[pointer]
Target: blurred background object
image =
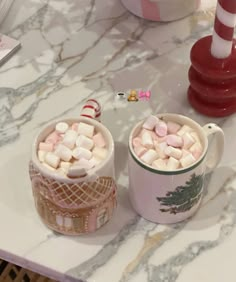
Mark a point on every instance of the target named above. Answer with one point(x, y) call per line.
point(5, 6)
point(161, 10)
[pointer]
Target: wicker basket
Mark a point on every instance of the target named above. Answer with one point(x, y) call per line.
point(13, 273)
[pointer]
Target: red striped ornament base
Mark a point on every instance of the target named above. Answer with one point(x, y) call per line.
point(212, 90)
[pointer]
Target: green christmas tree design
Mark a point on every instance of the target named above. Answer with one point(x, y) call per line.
point(184, 197)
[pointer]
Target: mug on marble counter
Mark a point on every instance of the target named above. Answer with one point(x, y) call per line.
point(79, 205)
point(171, 196)
point(161, 10)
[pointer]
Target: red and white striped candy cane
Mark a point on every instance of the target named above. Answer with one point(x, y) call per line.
point(225, 21)
point(91, 109)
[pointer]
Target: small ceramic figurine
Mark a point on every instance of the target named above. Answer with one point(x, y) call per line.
point(133, 96)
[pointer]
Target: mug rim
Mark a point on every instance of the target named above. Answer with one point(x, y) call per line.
point(54, 174)
point(170, 172)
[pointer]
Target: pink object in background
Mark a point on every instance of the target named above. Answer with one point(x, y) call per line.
point(150, 10)
point(161, 10)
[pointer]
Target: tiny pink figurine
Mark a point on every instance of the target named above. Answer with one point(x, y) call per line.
point(144, 95)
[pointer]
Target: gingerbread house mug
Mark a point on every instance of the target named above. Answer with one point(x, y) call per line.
point(74, 206)
point(172, 196)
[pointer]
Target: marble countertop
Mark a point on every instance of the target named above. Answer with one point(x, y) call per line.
point(72, 50)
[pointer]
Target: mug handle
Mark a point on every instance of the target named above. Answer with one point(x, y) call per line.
point(214, 154)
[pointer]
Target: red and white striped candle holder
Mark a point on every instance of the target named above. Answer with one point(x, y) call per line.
point(212, 75)
point(161, 10)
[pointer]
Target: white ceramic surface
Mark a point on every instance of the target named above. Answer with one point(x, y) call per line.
point(151, 191)
point(72, 50)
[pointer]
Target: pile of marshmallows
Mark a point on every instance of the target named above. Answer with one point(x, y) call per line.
point(72, 150)
point(167, 145)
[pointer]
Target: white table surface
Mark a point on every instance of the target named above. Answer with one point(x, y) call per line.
point(75, 49)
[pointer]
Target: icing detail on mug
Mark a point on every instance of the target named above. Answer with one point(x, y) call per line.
point(183, 198)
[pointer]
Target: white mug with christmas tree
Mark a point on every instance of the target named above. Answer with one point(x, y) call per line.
point(170, 196)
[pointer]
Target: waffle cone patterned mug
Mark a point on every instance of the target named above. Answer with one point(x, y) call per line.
point(161, 10)
point(170, 196)
point(74, 206)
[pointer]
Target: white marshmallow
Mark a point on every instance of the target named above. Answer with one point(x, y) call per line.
point(100, 153)
point(159, 164)
point(140, 150)
point(187, 160)
point(172, 164)
point(174, 140)
point(147, 140)
point(70, 138)
point(195, 136)
point(80, 152)
point(84, 163)
point(173, 127)
point(188, 140)
point(161, 128)
point(52, 159)
point(85, 142)
point(94, 161)
point(49, 167)
point(63, 152)
point(41, 155)
point(150, 122)
point(85, 129)
point(149, 156)
point(62, 171)
point(65, 165)
point(76, 171)
point(173, 152)
point(196, 149)
point(160, 148)
point(184, 129)
point(61, 127)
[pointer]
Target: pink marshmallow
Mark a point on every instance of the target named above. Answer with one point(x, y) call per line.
point(174, 140)
point(161, 128)
point(52, 138)
point(137, 141)
point(139, 151)
point(47, 147)
point(173, 127)
point(99, 140)
point(196, 150)
point(75, 126)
